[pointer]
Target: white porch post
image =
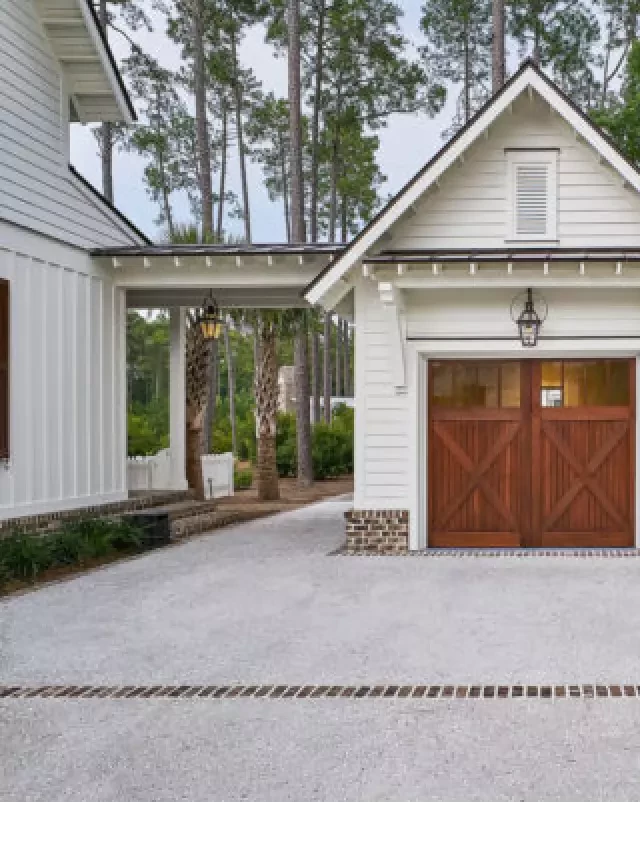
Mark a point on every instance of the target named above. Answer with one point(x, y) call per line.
point(177, 403)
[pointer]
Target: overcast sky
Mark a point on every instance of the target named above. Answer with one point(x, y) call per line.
point(405, 144)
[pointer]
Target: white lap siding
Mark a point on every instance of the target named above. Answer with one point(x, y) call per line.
point(469, 207)
point(67, 375)
point(37, 190)
point(382, 422)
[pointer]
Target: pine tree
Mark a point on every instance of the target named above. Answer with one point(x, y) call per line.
point(458, 50)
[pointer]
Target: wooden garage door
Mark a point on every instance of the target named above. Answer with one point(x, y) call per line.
point(583, 476)
point(531, 453)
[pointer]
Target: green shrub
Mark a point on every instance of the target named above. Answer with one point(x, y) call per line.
point(24, 555)
point(242, 479)
point(331, 445)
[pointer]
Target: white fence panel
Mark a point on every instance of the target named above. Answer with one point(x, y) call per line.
point(217, 474)
point(154, 472)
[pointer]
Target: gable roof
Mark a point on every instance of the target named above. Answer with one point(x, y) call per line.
point(529, 76)
point(78, 42)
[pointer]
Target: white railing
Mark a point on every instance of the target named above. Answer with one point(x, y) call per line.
point(154, 472)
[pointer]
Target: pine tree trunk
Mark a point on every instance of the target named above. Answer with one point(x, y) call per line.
point(315, 120)
point(266, 394)
point(338, 363)
point(316, 384)
point(223, 172)
point(326, 369)
point(231, 382)
point(467, 77)
point(303, 408)
point(300, 344)
point(242, 154)
point(285, 186)
point(346, 359)
point(497, 47)
point(333, 188)
point(202, 130)
point(295, 124)
point(106, 145)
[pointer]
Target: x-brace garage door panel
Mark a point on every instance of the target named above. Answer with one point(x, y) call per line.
point(517, 458)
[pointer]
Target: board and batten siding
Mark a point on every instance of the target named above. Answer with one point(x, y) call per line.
point(67, 379)
point(382, 456)
point(469, 208)
point(37, 189)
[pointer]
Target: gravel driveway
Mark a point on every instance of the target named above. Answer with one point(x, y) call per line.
point(267, 603)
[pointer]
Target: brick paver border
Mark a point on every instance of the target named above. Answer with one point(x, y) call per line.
point(428, 692)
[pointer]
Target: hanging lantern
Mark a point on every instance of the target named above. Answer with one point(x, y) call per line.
point(209, 319)
point(529, 322)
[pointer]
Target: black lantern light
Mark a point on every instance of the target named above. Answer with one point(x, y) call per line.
point(529, 322)
point(209, 320)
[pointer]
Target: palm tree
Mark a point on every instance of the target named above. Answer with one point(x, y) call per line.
point(266, 395)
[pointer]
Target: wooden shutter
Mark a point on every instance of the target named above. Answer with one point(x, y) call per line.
point(4, 369)
point(532, 199)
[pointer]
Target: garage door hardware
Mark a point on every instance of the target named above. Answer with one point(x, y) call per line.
point(312, 691)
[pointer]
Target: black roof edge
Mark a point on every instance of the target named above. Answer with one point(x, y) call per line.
point(575, 253)
point(526, 64)
point(109, 205)
point(172, 249)
point(112, 61)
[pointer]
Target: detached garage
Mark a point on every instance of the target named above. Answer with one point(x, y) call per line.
point(496, 303)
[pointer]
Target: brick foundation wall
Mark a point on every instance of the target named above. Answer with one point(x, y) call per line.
point(377, 531)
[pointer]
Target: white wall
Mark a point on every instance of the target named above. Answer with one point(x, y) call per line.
point(469, 207)
point(67, 378)
point(37, 190)
point(382, 459)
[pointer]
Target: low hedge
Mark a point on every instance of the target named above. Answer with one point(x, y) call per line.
point(25, 556)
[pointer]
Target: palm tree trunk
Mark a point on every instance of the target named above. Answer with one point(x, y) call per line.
point(202, 130)
point(231, 381)
point(326, 367)
point(266, 394)
point(197, 392)
point(212, 399)
point(242, 154)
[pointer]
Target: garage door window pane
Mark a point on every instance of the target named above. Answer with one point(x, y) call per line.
point(510, 385)
point(571, 384)
point(467, 385)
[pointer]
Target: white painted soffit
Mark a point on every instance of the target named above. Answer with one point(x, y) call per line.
point(529, 77)
point(95, 85)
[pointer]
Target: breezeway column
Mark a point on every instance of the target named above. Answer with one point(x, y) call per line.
point(177, 403)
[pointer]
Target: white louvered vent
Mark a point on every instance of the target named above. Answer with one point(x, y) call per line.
point(532, 199)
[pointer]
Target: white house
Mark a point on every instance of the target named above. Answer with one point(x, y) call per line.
point(464, 436)
point(62, 320)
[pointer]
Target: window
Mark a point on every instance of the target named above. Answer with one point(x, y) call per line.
point(532, 177)
point(484, 385)
point(567, 384)
point(4, 369)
